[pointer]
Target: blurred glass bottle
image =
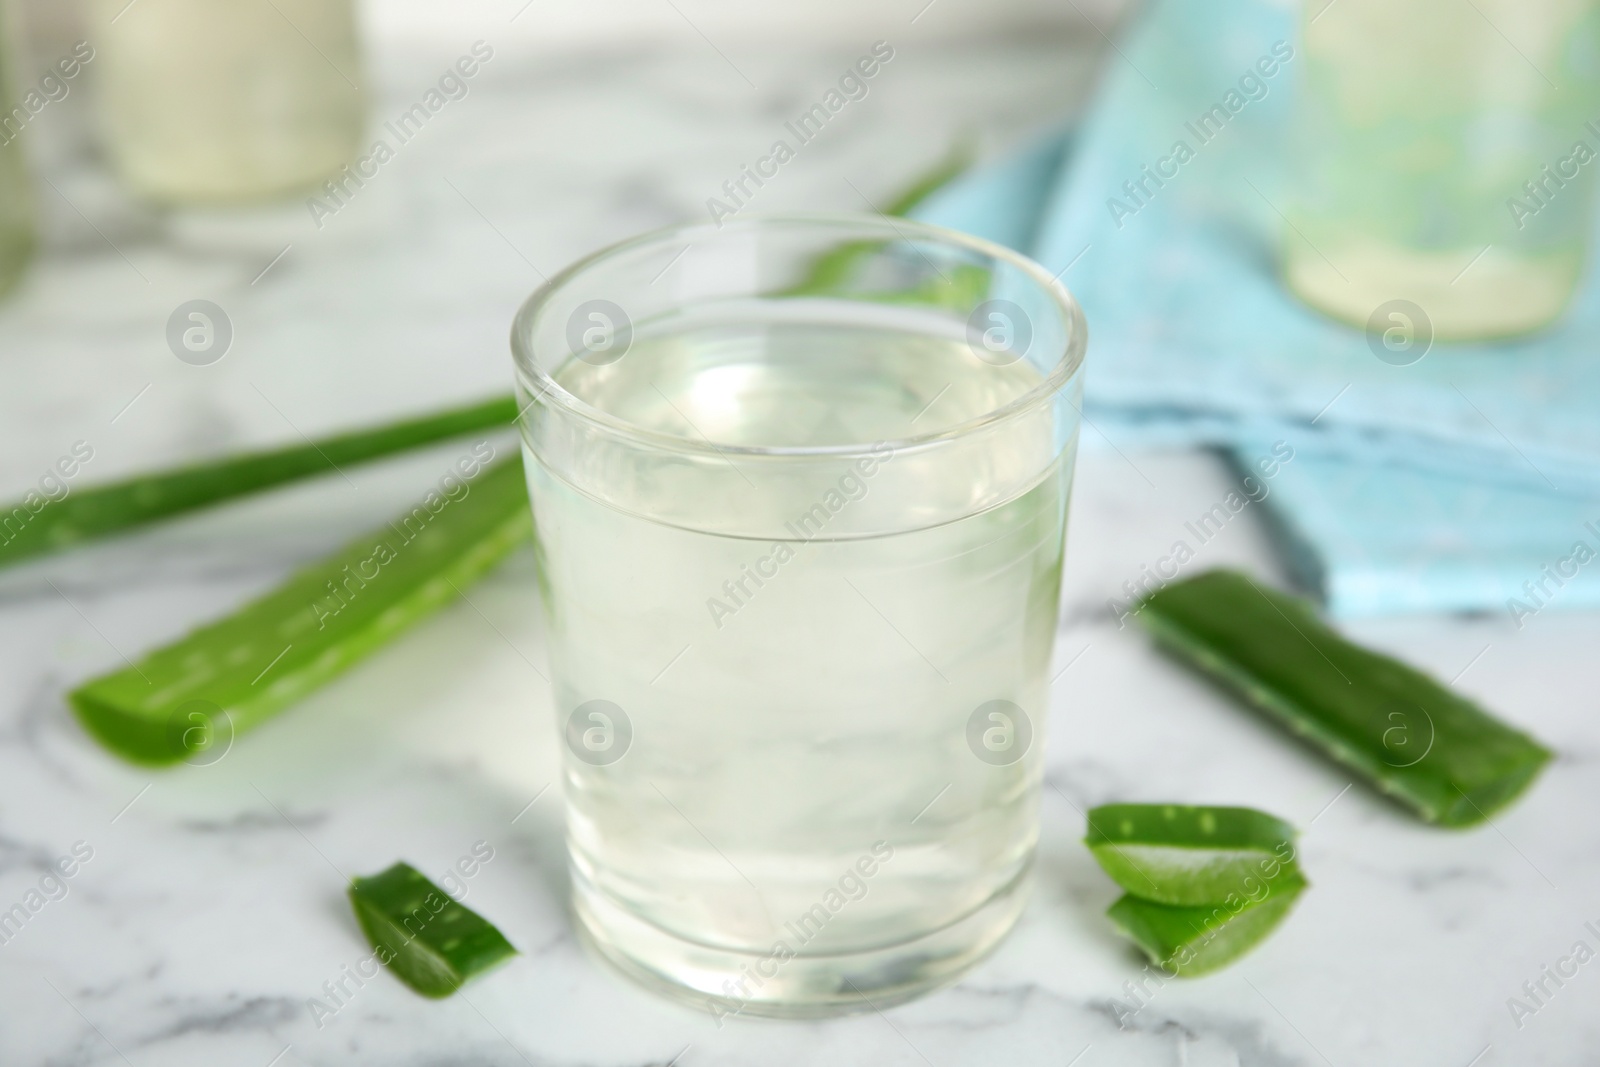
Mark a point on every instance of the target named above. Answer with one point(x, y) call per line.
point(16, 197)
point(229, 100)
point(1446, 156)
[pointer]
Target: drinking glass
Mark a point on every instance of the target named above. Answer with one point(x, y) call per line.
point(228, 100)
point(1447, 155)
point(800, 488)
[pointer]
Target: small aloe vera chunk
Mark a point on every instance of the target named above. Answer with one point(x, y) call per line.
point(1427, 747)
point(1184, 855)
point(233, 674)
point(1192, 941)
point(431, 942)
point(33, 527)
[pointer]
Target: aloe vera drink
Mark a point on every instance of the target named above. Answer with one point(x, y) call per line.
point(228, 100)
point(1445, 159)
point(801, 674)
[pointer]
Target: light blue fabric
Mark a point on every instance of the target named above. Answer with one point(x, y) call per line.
point(1004, 202)
point(1374, 539)
point(1443, 485)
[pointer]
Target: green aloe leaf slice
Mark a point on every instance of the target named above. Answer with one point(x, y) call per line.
point(1416, 740)
point(1187, 855)
point(1192, 941)
point(178, 702)
point(34, 526)
point(432, 943)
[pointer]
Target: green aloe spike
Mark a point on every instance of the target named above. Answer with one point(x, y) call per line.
point(1193, 941)
point(223, 679)
point(432, 943)
point(36, 525)
point(1188, 856)
point(1414, 739)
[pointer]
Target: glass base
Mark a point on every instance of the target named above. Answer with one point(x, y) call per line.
point(728, 983)
point(170, 177)
point(1499, 294)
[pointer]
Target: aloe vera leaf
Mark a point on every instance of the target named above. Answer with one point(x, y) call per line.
point(264, 657)
point(86, 514)
point(1186, 855)
point(832, 269)
point(955, 163)
point(1192, 941)
point(432, 943)
point(1417, 741)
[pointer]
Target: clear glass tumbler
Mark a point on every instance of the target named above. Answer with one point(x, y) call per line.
point(1446, 157)
point(800, 488)
point(228, 100)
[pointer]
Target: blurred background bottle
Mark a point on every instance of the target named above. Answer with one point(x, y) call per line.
point(16, 198)
point(229, 100)
point(1447, 155)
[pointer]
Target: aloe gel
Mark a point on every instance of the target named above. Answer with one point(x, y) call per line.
point(1446, 159)
point(227, 100)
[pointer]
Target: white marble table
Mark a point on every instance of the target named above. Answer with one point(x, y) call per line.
point(211, 908)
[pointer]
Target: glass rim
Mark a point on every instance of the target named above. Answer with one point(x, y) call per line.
point(546, 388)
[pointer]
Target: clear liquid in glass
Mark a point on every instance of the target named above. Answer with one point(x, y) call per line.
point(802, 817)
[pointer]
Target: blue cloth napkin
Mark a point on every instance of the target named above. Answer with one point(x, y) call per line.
point(1468, 481)
point(1375, 539)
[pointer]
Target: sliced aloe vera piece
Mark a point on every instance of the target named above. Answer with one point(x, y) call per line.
point(1186, 855)
point(1435, 751)
point(1192, 941)
point(229, 676)
point(431, 942)
point(33, 526)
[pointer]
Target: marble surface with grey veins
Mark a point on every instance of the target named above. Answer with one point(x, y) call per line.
point(209, 911)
